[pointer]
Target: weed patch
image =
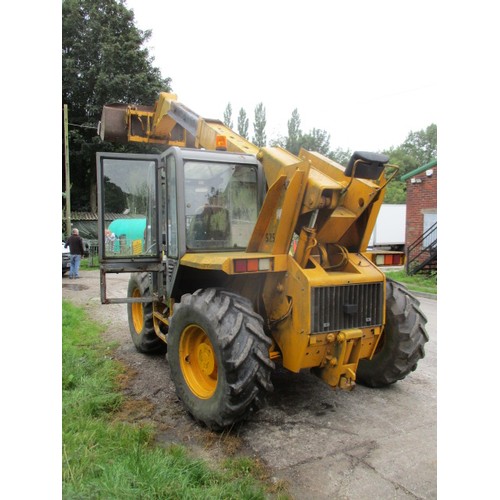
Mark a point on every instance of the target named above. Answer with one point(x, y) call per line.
point(105, 457)
point(418, 283)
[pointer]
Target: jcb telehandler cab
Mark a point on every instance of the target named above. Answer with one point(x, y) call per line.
point(249, 257)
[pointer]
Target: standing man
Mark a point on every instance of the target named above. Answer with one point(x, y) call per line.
point(75, 244)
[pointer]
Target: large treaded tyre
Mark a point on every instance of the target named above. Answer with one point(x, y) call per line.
point(402, 344)
point(140, 317)
point(219, 357)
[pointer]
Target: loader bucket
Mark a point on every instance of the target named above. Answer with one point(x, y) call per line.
point(113, 126)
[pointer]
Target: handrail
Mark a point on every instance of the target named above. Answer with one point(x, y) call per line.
point(417, 243)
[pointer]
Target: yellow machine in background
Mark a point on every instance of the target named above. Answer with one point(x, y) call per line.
point(251, 257)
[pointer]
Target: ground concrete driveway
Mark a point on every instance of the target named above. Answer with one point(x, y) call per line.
point(364, 444)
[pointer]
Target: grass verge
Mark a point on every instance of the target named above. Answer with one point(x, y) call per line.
point(103, 459)
point(85, 264)
point(417, 283)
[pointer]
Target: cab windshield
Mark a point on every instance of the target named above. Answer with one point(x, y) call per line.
point(221, 203)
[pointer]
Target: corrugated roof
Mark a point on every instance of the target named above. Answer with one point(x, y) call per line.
point(419, 170)
point(92, 216)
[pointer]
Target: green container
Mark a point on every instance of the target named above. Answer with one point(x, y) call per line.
point(126, 231)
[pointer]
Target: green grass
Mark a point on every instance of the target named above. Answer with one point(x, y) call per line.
point(417, 283)
point(102, 459)
point(84, 264)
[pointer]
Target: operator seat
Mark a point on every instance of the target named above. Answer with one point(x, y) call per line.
point(210, 228)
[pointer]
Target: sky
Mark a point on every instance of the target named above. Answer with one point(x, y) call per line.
point(363, 71)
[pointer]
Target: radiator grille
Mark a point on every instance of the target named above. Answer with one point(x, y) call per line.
point(347, 306)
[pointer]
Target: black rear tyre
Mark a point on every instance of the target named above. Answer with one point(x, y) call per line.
point(219, 357)
point(402, 344)
point(140, 317)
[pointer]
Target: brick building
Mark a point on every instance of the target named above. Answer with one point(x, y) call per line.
point(421, 214)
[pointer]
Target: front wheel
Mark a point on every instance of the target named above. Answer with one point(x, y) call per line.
point(219, 357)
point(402, 344)
point(140, 317)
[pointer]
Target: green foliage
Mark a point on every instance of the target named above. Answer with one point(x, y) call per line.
point(292, 143)
point(90, 263)
point(418, 283)
point(116, 199)
point(259, 124)
point(418, 149)
point(228, 116)
point(104, 60)
point(278, 141)
point(341, 156)
point(396, 192)
point(422, 145)
point(316, 140)
point(243, 123)
point(105, 458)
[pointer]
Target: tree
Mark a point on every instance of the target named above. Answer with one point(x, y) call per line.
point(418, 149)
point(316, 140)
point(341, 156)
point(294, 133)
point(278, 141)
point(243, 124)
point(228, 116)
point(396, 192)
point(103, 60)
point(422, 145)
point(259, 124)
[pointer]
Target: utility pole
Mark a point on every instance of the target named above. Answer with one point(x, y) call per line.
point(66, 164)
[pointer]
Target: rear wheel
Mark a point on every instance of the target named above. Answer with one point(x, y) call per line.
point(140, 317)
point(219, 357)
point(402, 344)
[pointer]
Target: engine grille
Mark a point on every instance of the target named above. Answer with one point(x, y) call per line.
point(348, 306)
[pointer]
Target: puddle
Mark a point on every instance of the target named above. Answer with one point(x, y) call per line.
point(75, 287)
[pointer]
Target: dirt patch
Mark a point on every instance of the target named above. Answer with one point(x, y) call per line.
point(145, 379)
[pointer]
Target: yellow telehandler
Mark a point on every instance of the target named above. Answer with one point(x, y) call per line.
point(242, 258)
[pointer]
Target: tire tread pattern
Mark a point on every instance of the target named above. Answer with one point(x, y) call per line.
point(245, 374)
point(146, 341)
point(403, 340)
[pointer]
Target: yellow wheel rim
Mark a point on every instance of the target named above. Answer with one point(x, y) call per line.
point(137, 313)
point(198, 362)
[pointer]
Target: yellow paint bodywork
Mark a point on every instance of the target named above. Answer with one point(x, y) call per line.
point(209, 129)
point(347, 207)
point(301, 349)
point(304, 190)
point(198, 362)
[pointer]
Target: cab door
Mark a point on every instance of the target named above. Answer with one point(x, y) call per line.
point(174, 233)
point(130, 213)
